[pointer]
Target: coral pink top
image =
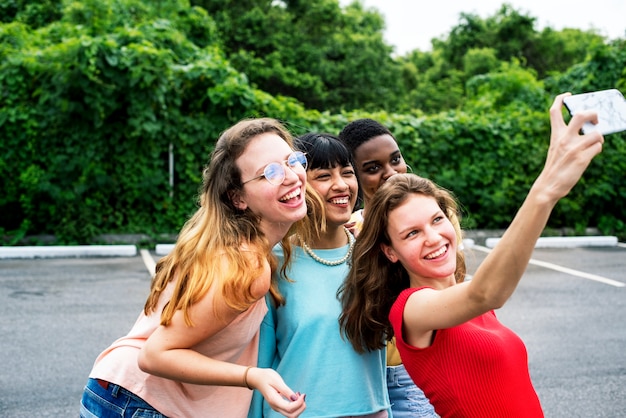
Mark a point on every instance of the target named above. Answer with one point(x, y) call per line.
point(236, 343)
point(476, 369)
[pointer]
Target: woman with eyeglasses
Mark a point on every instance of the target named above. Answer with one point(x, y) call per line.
point(301, 339)
point(193, 350)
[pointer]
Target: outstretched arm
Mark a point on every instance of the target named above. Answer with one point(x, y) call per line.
point(568, 157)
point(495, 280)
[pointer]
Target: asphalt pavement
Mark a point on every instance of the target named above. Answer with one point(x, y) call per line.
point(57, 314)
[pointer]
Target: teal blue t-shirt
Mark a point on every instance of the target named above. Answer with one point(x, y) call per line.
point(302, 342)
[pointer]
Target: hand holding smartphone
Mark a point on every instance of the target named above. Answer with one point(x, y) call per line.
point(610, 106)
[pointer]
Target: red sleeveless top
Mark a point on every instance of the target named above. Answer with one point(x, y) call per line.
point(476, 369)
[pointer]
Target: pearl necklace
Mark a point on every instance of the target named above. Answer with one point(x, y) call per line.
point(320, 260)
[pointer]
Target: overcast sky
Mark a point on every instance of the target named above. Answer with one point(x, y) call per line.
point(412, 24)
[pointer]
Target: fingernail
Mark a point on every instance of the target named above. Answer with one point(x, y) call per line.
point(294, 397)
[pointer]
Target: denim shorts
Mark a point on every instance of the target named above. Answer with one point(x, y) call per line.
point(113, 401)
point(407, 400)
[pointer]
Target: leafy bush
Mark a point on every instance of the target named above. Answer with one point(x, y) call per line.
point(96, 95)
point(89, 113)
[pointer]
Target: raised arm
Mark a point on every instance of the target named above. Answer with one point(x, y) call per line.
point(495, 280)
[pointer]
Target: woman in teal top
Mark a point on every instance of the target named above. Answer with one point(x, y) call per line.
point(301, 339)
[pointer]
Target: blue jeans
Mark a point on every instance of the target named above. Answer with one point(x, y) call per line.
point(407, 400)
point(114, 402)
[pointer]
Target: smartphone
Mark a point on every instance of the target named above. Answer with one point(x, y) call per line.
point(610, 105)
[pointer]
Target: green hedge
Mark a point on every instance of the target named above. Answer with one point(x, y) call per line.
point(87, 120)
point(91, 104)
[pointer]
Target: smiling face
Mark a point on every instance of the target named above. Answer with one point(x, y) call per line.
point(423, 240)
point(376, 160)
point(338, 188)
point(278, 206)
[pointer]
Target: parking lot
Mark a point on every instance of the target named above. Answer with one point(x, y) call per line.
point(57, 314)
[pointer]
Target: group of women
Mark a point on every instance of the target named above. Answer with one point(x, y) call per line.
point(279, 299)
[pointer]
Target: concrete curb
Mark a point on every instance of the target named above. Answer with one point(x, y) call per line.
point(163, 249)
point(76, 251)
point(68, 251)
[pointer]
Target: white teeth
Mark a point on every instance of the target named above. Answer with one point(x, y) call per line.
point(436, 254)
point(340, 201)
point(291, 195)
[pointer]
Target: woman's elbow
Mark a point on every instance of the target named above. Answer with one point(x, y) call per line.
point(486, 300)
point(497, 302)
point(145, 361)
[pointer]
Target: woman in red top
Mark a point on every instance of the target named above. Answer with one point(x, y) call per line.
point(407, 280)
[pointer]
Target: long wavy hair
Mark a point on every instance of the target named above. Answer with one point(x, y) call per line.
point(323, 150)
point(374, 282)
point(208, 250)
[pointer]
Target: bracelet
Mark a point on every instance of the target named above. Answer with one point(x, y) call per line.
point(245, 377)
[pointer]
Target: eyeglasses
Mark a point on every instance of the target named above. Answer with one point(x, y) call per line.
point(274, 173)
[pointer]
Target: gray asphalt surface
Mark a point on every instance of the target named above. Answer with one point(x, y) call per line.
point(57, 315)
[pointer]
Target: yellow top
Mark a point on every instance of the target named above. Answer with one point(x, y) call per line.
point(357, 218)
point(393, 356)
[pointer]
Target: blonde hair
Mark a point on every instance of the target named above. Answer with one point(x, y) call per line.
point(208, 251)
point(313, 225)
point(374, 282)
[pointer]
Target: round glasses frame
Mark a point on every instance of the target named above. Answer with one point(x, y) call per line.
point(274, 172)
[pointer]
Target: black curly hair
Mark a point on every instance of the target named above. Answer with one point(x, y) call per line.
point(357, 132)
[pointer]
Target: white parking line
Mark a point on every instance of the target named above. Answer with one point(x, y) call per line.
point(148, 261)
point(566, 270)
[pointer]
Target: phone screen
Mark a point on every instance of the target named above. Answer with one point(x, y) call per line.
point(610, 105)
